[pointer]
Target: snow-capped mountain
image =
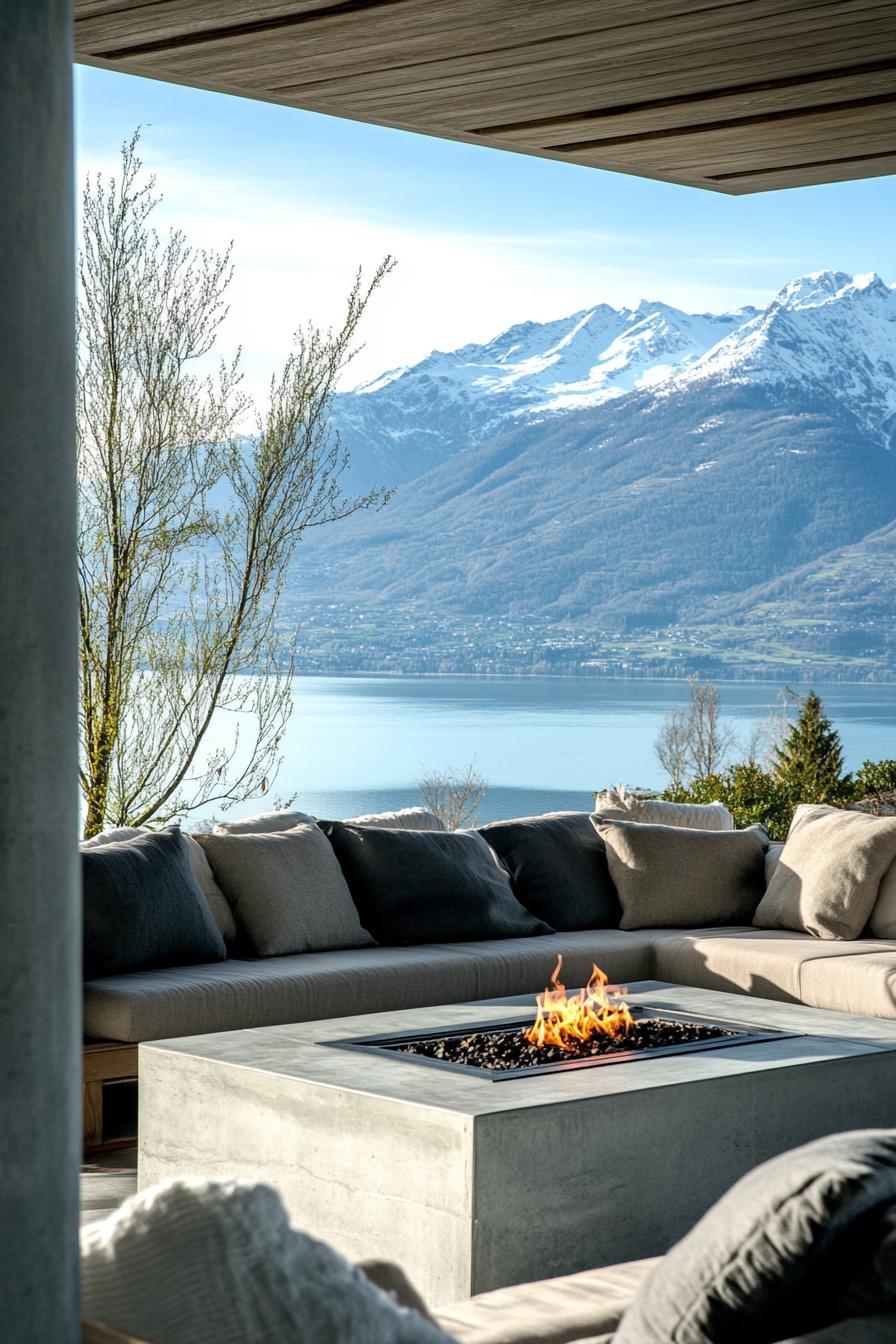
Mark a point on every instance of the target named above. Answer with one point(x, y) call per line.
point(410, 419)
point(827, 331)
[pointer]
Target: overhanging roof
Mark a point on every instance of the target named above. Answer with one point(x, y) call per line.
point(734, 95)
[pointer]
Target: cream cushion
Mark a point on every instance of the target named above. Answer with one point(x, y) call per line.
point(217, 901)
point(780, 964)
point(829, 873)
point(621, 805)
point(405, 819)
point(263, 824)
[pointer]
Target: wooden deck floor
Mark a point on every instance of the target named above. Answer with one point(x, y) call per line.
point(107, 1181)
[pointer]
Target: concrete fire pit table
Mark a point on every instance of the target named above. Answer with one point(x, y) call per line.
point(471, 1184)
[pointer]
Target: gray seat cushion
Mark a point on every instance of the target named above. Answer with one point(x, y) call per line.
point(234, 994)
point(775, 964)
point(555, 1311)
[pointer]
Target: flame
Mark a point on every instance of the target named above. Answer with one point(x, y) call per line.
point(567, 1021)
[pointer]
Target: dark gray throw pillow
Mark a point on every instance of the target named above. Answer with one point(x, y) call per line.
point(428, 886)
point(143, 907)
point(787, 1250)
point(673, 877)
point(557, 865)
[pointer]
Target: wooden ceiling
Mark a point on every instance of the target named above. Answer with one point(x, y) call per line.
point(734, 95)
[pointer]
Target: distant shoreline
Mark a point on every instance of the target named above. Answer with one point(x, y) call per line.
point(825, 680)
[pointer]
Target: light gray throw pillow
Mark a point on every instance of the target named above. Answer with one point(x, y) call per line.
point(676, 877)
point(882, 923)
point(287, 890)
point(829, 874)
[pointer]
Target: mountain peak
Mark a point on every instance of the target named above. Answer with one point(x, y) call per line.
point(818, 287)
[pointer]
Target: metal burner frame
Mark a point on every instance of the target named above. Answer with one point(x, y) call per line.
point(387, 1044)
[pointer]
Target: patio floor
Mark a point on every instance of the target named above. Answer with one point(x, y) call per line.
point(106, 1181)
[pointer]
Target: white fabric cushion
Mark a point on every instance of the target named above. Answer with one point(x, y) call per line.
point(217, 901)
point(405, 819)
point(620, 805)
point(112, 837)
point(216, 1262)
point(264, 823)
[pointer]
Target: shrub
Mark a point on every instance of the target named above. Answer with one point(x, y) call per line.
point(875, 777)
point(750, 793)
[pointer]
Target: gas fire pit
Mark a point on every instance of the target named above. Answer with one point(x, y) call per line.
point(570, 1031)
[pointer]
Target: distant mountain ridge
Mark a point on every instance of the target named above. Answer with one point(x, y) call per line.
point(826, 329)
point(618, 490)
point(411, 419)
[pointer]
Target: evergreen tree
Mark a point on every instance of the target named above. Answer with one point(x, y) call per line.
point(809, 761)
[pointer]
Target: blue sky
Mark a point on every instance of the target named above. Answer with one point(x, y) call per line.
point(483, 238)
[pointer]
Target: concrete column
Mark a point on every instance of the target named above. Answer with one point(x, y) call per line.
point(39, 903)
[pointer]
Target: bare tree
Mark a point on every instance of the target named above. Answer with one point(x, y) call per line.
point(453, 795)
point(693, 742)
point(186, 529)
point(673, 747)
point(711, 739)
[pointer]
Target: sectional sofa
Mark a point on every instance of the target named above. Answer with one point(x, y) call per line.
point(256, 977)
point(247, 990)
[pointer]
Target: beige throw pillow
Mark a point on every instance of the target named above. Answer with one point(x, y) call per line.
point(678, 877)
point(829, 874)
point(620, 805)
point(287, 890)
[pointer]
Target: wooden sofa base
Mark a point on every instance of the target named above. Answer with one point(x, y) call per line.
point(103, 1062)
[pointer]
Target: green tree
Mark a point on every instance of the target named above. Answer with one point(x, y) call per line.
point(187, 529)
point(809, 761)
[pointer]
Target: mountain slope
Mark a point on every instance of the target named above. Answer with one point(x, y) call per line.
point(409, 420)
point(645, 505)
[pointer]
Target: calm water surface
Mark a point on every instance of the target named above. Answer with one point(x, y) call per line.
point(357, 744)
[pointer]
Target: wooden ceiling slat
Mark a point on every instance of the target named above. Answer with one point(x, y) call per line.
point(707, 69)
point(735, 95)
point(683, 144)
point(590, 63)
point(780, 97)
point(803, 175)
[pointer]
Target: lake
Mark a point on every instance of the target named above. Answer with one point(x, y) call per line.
point(358, 744)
